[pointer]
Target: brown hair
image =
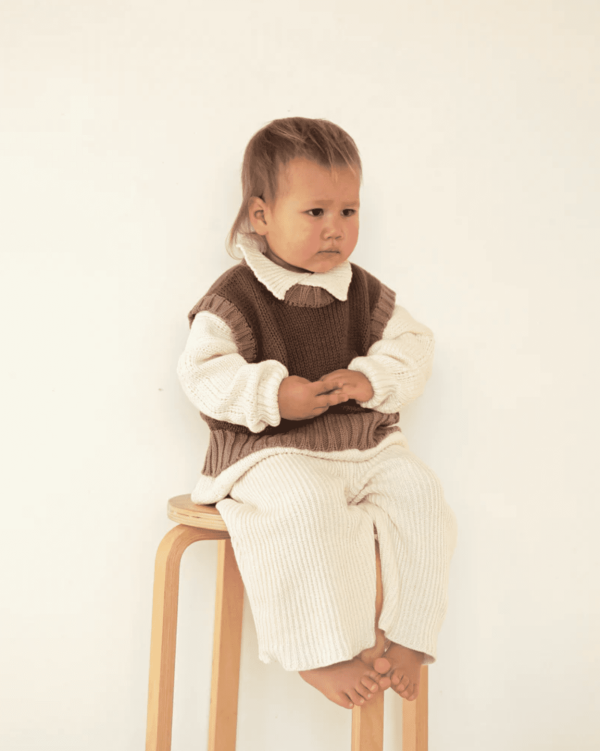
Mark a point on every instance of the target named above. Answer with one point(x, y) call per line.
point(272, 147)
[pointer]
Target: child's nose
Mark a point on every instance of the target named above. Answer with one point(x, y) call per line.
point(333, 229)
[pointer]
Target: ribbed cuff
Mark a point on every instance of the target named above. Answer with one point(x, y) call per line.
point(382, 381)
point(267, 403)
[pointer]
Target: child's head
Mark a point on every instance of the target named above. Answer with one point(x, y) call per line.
point(300, 181)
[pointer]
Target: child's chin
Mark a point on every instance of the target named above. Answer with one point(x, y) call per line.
point(332, 259)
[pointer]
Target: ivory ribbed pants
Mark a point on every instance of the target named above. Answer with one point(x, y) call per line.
point(303, 532)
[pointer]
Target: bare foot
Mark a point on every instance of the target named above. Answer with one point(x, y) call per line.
point(381, 643)
point(345, 683)
point(403, 667)
point(372, 653)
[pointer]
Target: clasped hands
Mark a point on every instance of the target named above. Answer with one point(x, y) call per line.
point(301, 399)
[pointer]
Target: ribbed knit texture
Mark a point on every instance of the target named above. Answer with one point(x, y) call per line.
point(302, 529)
point(331, 431)
point(311, 333)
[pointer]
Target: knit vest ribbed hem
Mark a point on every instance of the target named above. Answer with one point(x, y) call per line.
point(331, 433)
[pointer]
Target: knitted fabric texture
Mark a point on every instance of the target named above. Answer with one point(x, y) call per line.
point(302, 532)
point(311, 333)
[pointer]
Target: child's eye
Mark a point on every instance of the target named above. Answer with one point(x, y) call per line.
point(319, 212)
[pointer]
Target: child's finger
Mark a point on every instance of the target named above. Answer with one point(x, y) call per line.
point(334, 374)
point(320, 388)
point(329, 400)
point(330, 384)
point(331, 391)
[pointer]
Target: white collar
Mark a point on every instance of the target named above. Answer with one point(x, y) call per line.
point(279, 280)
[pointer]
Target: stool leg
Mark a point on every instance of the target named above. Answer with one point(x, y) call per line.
point(414, 717)
point(164, 632)
point(367, 721)
point(226, 652)
point(367, 725)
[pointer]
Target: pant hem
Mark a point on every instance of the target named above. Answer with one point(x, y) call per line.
point(324, 662)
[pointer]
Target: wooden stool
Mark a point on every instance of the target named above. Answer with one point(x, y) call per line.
point(205, 523)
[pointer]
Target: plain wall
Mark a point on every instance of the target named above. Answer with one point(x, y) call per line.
point(123, 128)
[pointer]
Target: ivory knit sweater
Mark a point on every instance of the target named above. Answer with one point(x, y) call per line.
point(223, 375)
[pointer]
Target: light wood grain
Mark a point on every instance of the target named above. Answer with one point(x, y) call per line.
point(164, 632)
point(415, 717)
point(182, 510)
point(367, 721)
point(367, 725)
point(227, 646)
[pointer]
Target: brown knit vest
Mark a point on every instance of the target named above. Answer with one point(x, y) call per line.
point(312, 333)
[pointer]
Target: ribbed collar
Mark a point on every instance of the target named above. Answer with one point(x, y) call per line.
point(279, 280)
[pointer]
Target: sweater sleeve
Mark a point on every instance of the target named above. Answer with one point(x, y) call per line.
point(221, 383)
point(397, 365)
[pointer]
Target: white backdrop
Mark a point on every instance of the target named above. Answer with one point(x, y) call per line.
point(123, 127)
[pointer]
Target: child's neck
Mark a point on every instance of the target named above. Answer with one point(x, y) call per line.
point(284, 264)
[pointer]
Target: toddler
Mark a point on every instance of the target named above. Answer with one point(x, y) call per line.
point(300, 363)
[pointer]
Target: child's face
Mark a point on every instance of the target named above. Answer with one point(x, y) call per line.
point(313, 223)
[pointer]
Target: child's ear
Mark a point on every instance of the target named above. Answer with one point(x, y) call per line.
point(257, 214)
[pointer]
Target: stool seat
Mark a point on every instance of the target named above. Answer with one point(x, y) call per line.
point(183, 510)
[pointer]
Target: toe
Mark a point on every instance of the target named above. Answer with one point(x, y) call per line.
point(384, 682)
point(381, 681)
point(369, 683)
point(342, 699)
point(345, 701)
point(382, 665)
point(363, 691)
point(407, 692)
point(414, 694)
point(355, 698)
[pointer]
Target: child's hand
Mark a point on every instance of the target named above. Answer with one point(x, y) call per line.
point(353, 385)
point(299, 399)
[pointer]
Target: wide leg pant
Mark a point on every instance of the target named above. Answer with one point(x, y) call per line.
point(302, 529)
